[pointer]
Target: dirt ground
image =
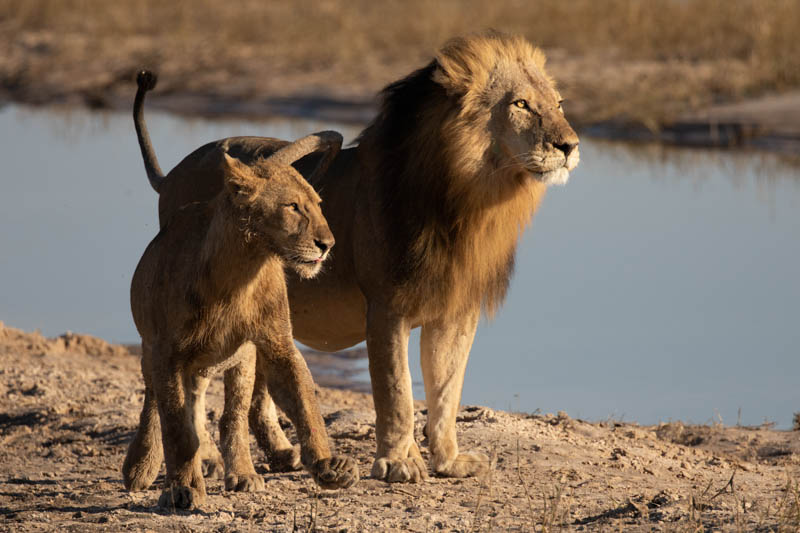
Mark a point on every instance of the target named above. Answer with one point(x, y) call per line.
point(69, 407)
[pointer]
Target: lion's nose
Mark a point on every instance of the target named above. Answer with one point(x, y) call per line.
point(567, 147)
point(324, 244)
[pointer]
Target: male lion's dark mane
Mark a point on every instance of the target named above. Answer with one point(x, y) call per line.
point(409, 197)
point(452, 246)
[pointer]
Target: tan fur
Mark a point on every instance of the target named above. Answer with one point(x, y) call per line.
point(211, 280)
point(427, 210)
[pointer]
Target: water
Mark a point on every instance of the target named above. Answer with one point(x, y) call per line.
point(659, 284)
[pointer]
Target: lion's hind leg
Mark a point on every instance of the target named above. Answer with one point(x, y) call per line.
point(240, 475)
point(184, 486)
point(282, 456)
point(210, 457)
point(145, 454)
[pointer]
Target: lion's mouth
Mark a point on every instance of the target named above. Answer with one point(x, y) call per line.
point(542, 164)
point(313, 260)
point(308, 267)
point(553, 171)
point(552, 174)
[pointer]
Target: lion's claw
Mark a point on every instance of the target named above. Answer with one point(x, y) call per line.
point(408, 470)
point(286, 460)
point(213, 469)
point(466, 464)
point(337, 472)
point(180, 497)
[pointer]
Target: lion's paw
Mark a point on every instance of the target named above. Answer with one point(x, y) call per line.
point(408, 470)
point(140, 475)
point(244, 482)
point(466, 464)
point(286, 460)
point(181, 497)
point(213, 469)
point(337, 472)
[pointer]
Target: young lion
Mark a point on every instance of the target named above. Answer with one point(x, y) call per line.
point(212, 279)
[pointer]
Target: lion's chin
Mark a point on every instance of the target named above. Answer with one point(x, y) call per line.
point(307, 269)
point(559, 176)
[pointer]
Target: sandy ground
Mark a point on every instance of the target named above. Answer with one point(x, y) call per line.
point(69, 406)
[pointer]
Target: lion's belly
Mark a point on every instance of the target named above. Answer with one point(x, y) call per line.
point(327, 318)
point(214, 362)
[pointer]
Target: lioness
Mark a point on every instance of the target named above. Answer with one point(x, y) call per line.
point(427, 210)
point(212, 279)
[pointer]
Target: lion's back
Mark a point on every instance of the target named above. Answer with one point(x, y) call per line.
point(162, 274)
point(199, 178)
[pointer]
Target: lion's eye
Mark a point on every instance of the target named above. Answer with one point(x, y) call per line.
point(294, 206)
point(522, 104)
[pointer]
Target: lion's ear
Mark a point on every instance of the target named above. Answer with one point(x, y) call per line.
point(457, 63)
point(239, 178)
point(451, 76)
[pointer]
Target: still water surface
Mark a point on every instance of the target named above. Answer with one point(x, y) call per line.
point(659, 284)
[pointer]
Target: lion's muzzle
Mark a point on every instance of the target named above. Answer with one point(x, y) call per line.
point(555, 169)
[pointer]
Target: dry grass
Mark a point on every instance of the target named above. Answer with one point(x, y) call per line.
point(761, 32)
point(745, 46)
point(788, 509)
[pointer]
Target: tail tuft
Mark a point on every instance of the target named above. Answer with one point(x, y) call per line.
point(146, 80)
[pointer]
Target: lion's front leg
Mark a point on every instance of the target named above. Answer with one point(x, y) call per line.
point(290, 384)
point(444, 350)
point(398, 458)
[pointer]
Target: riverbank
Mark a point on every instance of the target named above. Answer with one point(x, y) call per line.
point(69, 406)
point(696, 72)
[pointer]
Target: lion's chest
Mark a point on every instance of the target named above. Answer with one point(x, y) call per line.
point(218, 327)
point(468, 269)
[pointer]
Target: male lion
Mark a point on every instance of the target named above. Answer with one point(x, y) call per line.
point(194, 312)
point(427, 210)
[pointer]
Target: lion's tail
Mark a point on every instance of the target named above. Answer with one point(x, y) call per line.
point(147, 82)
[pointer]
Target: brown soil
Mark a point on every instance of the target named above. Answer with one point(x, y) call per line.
point(69, 406)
